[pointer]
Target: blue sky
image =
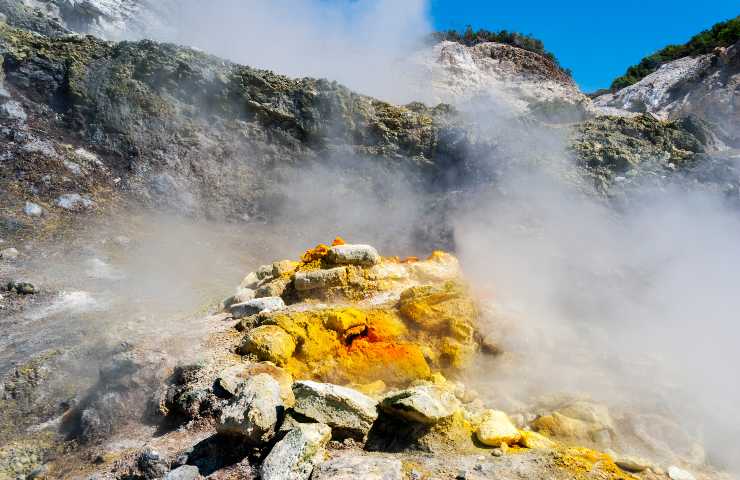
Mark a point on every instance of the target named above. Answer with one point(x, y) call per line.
point(597, 39)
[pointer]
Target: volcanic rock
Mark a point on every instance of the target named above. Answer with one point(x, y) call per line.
point(347, 411)
point(256, 305)
point(363, 255)
point(352, 466)
point(254, 413)
point(294, 457)
point(427, 404)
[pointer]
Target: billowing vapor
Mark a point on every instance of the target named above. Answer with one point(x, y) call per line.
point(359, 44)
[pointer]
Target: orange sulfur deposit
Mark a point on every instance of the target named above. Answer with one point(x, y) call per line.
point(353, 345)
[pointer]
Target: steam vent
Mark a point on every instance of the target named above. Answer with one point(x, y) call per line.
point(341, 365)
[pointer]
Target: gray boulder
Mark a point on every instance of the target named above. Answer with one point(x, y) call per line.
point(352, 466)
point(348, 412)
point(675, 473)
point(256, 305)
point(294, 457)
point(363, 255)
point(254, 413)
point(274, 288)
point(425, 404)
point(319, 279)
point(186, 472)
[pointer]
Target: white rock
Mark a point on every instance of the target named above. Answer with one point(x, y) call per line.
point(347, 411)
point(294, 457)
point(33, 209)
point(257, 305)
point(364, 255)
point(676, 473)
point(242, 295)
point(74, 168)
point(74, 202)
point(9, 254)
point(40, 146)
point(250, 281)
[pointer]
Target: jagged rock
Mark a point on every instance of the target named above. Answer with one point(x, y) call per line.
point(496, 428)
point(9, 254)
point(74, 202)
point(33, 209)
point(255, 412)
point(255, 306)
point(268, 342)
point(355, 466)
point(242, 295)
point(347, 411)
point(320, 279)
point(185, 472)
point(363, 255)
point(427, 404)
point(676, 473)
point(294, 457)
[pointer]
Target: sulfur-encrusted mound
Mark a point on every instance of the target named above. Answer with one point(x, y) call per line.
point(381, 319)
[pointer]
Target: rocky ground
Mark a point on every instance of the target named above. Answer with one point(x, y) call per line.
point(343, 363)
point(338, 365)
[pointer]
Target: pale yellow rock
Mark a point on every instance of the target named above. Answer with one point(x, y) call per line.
point(535, 441)
point(269, 342)
point(496, 428)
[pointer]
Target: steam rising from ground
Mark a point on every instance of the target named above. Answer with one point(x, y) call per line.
point(360, 44)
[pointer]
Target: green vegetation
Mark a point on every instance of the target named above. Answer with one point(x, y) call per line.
point(720, 35)
point(471, 38)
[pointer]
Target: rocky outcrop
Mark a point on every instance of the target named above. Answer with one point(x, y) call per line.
point(706, 86)
point(518, 82)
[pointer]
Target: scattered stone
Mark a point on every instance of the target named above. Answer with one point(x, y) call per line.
point(426, 404)
point(496, 428)
point(363, 255)
point(42, 147)
point(353, 466)
point(185, 472)
point(294, 457)
point(74, 202)
point(74, 168)
point(264, 272)
point(151, 464)
point(676, 473)
point(255, 306)
point(9, 254)
point(269, 342)
point(347, 411)
point(255, 411)
point(33, 209)
point(320, 279)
